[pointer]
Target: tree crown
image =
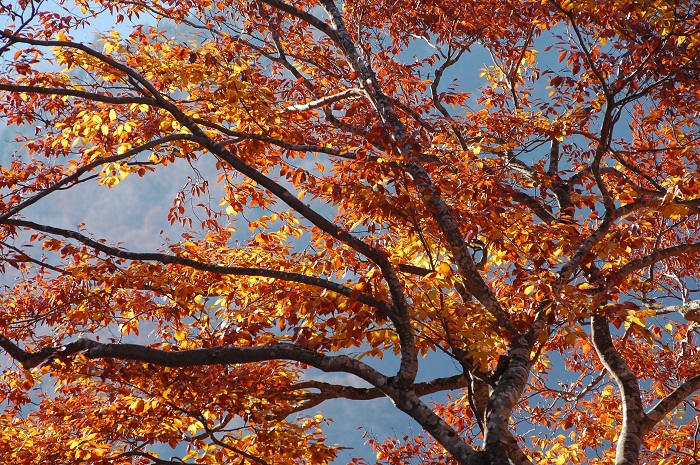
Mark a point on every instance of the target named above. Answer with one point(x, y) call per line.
point(345, 202)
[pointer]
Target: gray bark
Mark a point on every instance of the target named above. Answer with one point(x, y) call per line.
point(631, 432)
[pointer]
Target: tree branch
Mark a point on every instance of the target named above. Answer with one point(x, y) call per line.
point(532, 203)
point(133, 74)
point(587, 54)
point(224, 355)
point(305, 17)
point(507, 393)
point(349, 93)
point(89, 167)
point(690, 311)
point(399, 318)
point(669, 403)
point(285, 196)
point(515, 453)
point(271, 140)
point(410, 151)
point(119, 100)
point(405, 400)
point(212, 268)
point(631, 433)
point(333, 391)
point(575, 261)
point(657, 256)
point(151, 457)
point(438, 104)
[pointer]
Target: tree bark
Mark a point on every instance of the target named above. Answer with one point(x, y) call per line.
point(632, 432)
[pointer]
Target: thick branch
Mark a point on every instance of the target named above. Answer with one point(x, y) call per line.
point(520, 166)
point(327, 100)
point(669, 403)
point(405, 400)
point(409, 403)
point(689, 311)
point(197, 357)
point(412, 269)
point(632, 432)
point(333, 391)
point(562, 190)
point(554, 155)
point(657, 256)
point(304, 16)
point(438, 104)
point(497, 438)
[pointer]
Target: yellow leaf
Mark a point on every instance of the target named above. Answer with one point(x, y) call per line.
point(607, 391)
point(444, 269)
point(112, 115)
point(180, 335)
point(192, 429)
point(674, 212)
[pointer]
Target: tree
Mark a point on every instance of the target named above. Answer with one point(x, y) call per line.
point(538, 225)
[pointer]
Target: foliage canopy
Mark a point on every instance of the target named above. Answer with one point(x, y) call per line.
point(538, 224)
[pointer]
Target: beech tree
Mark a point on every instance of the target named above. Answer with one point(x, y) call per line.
point(373, 195)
